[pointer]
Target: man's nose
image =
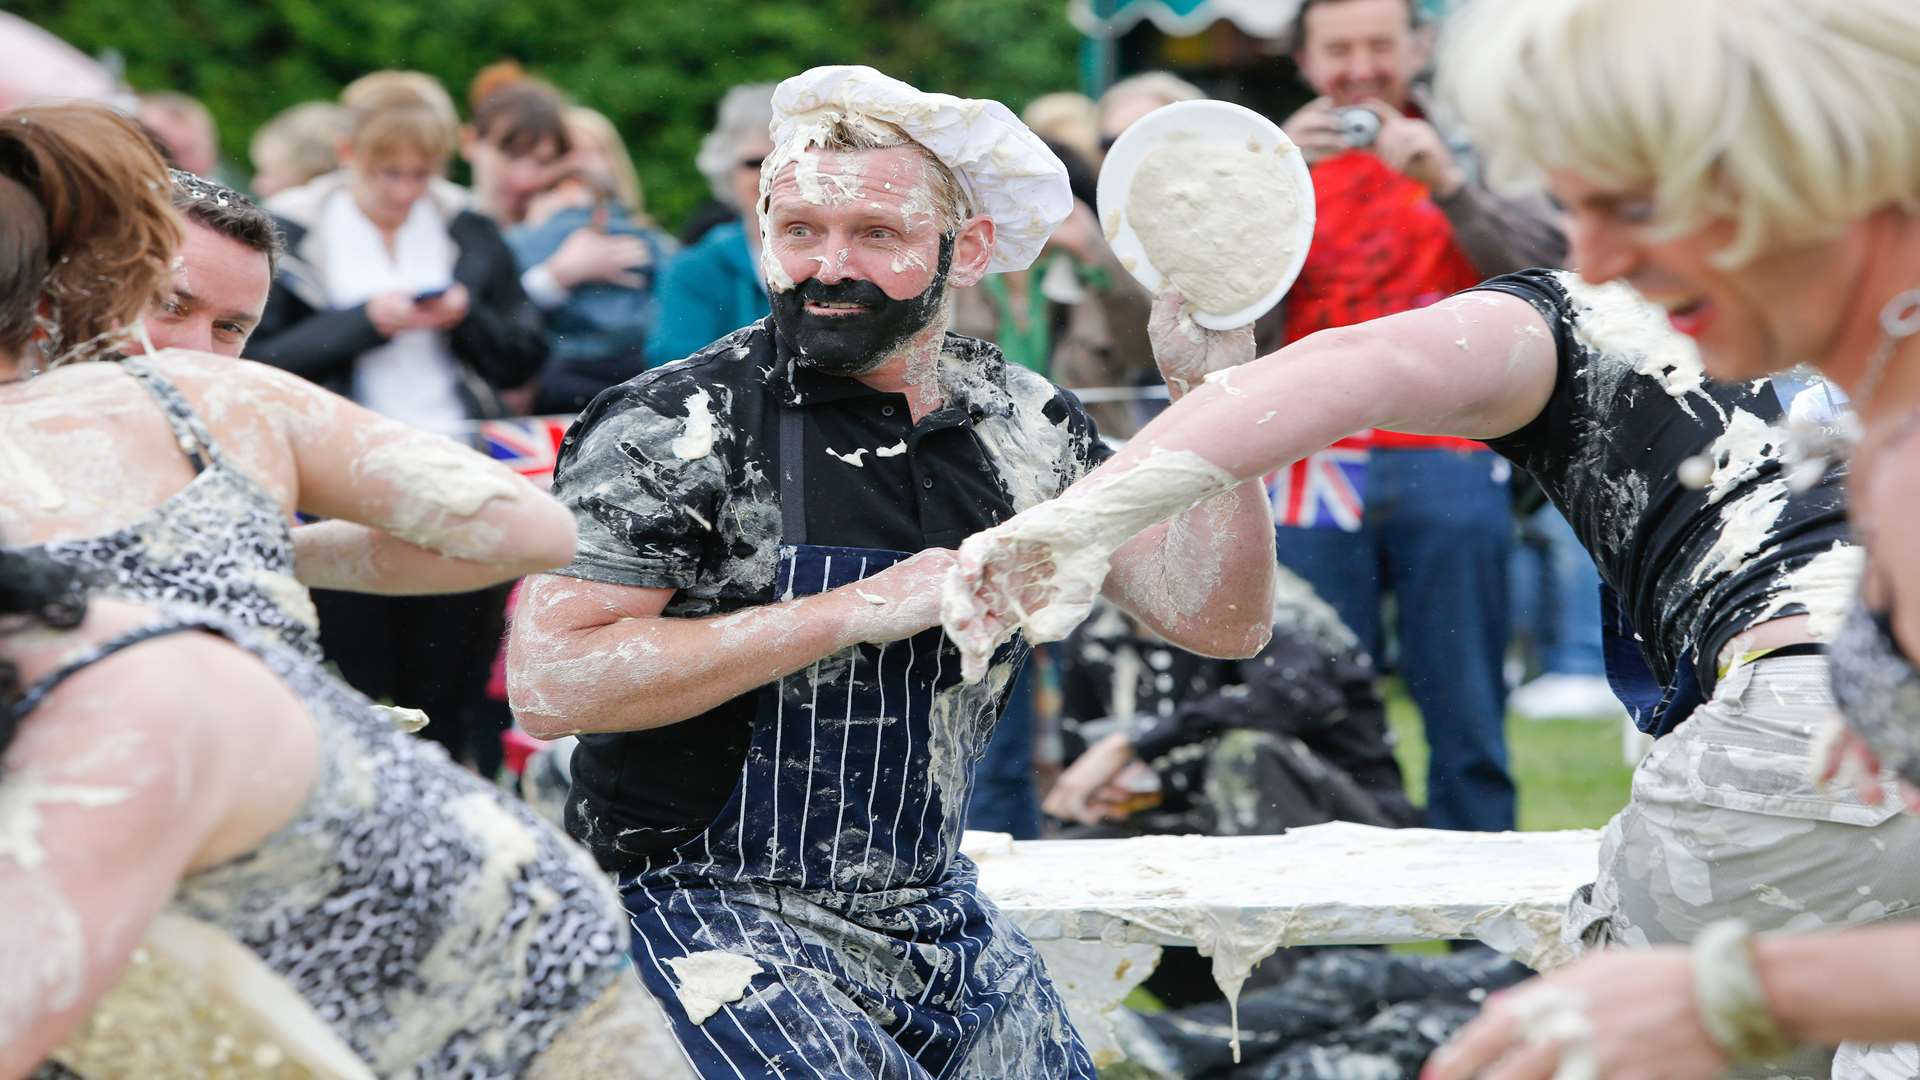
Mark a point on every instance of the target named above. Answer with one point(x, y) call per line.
point(836, 265)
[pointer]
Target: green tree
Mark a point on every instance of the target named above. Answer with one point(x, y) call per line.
point(657, 67)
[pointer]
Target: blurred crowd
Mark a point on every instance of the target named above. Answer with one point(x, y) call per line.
point(544, 281)
point(359, 265)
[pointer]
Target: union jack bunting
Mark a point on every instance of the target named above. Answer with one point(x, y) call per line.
point(1325, 490)
point(527, 445)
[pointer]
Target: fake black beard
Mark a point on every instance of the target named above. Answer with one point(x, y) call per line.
point(856, 344)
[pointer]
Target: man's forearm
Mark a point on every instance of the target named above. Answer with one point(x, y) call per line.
point(1204, 580)
point(632, 674)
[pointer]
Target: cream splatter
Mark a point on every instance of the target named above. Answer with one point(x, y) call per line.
point(705, 981)
point(22, 796)
point(696, 441)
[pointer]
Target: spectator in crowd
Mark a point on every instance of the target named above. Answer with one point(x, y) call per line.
point(1107, 345)
point(1557, 616)
point(222, 271)
point(397, 293)
point(714, 286)
point(378, 89)
point(1134, 97)
point(298, 144)
point(1403, 221)
point(185, 129)
point(589, 255)
point(1295, 735)
point(515, 144)
point(1068, 119)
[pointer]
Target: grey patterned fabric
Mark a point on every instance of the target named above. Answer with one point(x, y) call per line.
point(439, 927)
point(221, 543)
point(1878, 690)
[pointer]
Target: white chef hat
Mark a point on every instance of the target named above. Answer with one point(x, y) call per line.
point(1011, 176)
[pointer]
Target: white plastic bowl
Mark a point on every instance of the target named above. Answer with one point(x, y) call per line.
point(1216, 122)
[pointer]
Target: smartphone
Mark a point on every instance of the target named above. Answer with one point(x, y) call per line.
point(431, 294)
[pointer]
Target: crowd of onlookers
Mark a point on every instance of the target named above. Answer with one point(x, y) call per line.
point(544, 281)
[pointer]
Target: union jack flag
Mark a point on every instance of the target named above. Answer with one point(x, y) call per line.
point(1325, 490)
point(528, 445)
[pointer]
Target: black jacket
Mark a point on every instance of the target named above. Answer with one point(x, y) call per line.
point(1311, 682)
point(500, 345)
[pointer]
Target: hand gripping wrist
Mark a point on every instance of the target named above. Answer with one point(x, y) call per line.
point(1733, 1004)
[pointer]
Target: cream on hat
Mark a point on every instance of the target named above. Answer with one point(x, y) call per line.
point(1011, 176)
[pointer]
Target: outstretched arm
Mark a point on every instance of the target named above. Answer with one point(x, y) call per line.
point(126, 778)
point(411, 512)
point(587, 656)
point(1201, 580)
point(1477, 365)
point(1635, 1012)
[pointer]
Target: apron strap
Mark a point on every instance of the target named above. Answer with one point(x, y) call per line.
point(793, 476)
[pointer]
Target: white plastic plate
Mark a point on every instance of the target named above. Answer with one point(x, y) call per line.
point(1210, 121)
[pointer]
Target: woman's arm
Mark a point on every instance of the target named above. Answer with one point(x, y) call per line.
point(415, 512)
point(127, 778)
point(1635, 1012)
point(1477, 365)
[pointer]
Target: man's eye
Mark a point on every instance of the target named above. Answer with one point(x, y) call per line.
point(880, 234)
point(172, 306)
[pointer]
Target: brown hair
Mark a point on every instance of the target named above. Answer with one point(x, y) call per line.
point(1297, 34)
point(86, 224)
point(218, 207)
point(521, 115)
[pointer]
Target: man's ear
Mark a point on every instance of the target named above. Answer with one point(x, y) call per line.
point(467, 138)
point(343, 150)
point(972, 253)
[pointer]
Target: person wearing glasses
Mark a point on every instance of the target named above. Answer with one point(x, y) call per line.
point(714, 286)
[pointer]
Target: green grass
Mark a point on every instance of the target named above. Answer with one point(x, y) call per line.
point(1568, 772)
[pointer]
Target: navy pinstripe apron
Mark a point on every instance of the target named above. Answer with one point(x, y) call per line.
point(835, 866)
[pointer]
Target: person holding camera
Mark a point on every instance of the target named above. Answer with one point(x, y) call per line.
point(1403, 221)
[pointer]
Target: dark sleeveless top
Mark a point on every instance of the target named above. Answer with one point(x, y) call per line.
point(438, 927)
point(222, 543)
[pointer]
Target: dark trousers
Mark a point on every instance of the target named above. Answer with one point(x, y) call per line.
point(1004, 797)
point(431, 653)
point(1437, 535)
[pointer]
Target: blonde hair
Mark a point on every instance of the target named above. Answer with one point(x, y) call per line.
point(1068, 118)
point(590, 127)
point(382, 89)
point(1789, 118)
point(305, 138)
point(1164, 86)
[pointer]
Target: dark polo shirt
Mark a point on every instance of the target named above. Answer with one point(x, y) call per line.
point(664, 503)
